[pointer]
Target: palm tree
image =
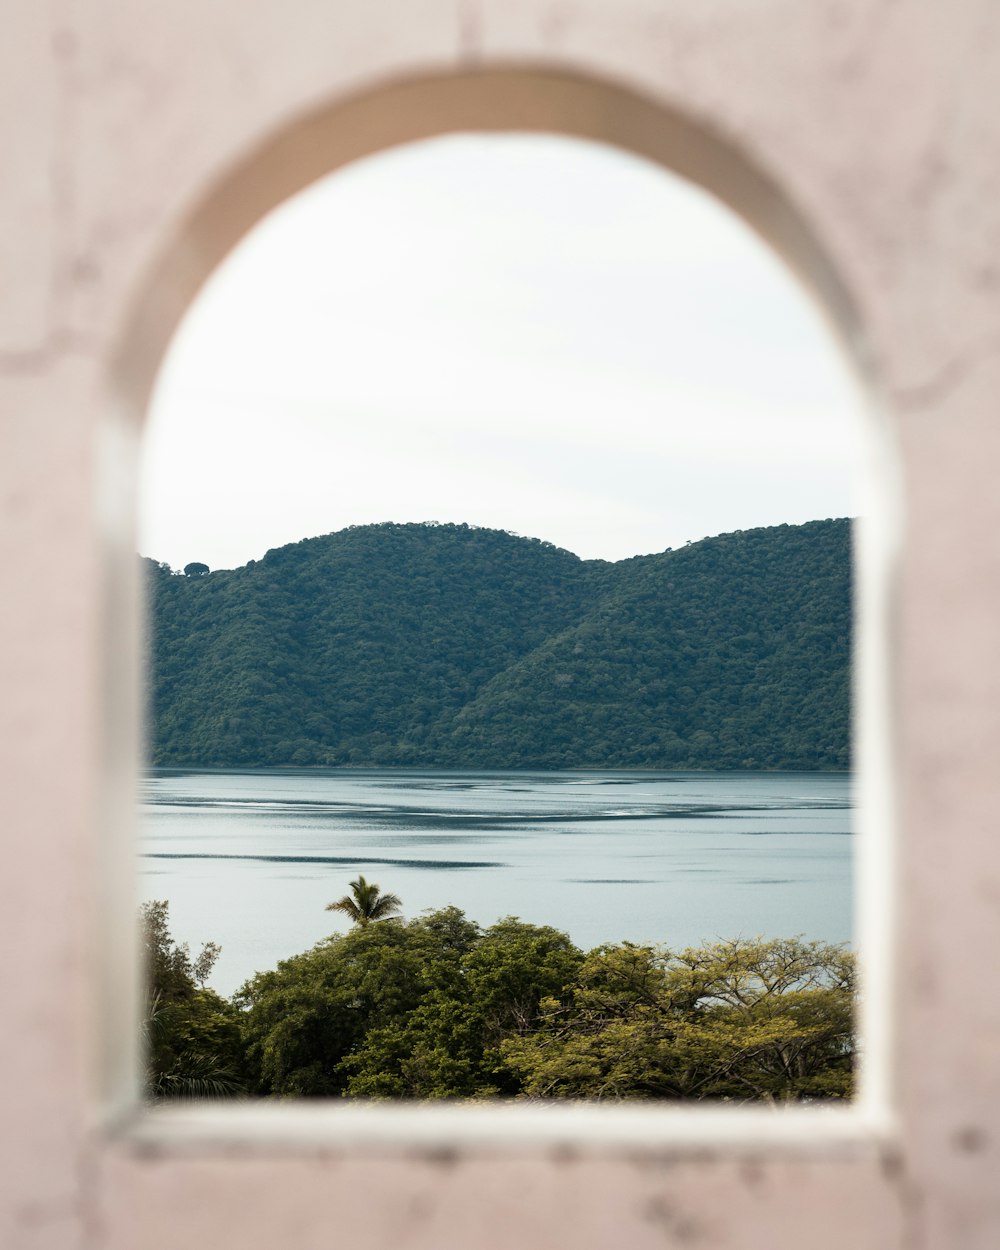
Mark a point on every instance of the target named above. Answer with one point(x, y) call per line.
point(367, 904)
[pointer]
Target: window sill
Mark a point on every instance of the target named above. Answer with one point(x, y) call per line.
point(566, 1129)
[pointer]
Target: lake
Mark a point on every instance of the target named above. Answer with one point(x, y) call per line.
point(250, 859)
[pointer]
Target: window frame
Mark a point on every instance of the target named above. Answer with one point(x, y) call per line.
point(397, 112)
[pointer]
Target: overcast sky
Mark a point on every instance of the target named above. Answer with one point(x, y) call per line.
point(526, 332)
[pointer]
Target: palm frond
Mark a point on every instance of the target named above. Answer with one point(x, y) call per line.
point(346, 905)
point(195, 1074)
point(386, 905)
point(367, 904)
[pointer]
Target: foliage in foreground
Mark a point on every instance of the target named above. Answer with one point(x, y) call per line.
point(736, 1020)
point(191, 1034)
point(437, 1007)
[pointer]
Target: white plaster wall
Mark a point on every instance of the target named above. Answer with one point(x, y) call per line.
point(118, 120)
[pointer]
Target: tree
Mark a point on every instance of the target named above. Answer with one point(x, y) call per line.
point(191, 1035)
point(413, 1009)
point(303, 1019)
point(479, 988)
point(737, 1021)
point(195, 569)
point(438, 1008)
point(367, 904)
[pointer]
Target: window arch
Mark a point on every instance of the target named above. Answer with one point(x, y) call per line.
point(488, 100)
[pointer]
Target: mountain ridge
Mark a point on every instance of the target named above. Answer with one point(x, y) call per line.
point(460, 646)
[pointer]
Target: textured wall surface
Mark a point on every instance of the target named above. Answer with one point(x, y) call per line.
point(136, 142)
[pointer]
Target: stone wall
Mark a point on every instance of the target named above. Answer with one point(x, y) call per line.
point(137, 142)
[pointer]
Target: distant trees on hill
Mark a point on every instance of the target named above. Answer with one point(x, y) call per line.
point(453, 646)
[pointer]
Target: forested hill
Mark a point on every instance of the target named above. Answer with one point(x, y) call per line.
point(458, 647)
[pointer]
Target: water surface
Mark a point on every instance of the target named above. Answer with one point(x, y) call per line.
point(250, 859)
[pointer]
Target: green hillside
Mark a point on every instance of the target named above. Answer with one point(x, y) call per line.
point(452, 646)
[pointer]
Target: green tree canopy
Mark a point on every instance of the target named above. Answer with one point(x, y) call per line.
point(737, 1020)
point(438, 1008)
point(191, 1035)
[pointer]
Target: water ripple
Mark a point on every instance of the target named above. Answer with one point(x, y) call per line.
point(332, 859)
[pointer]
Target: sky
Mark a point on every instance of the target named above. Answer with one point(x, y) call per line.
point(526, 332)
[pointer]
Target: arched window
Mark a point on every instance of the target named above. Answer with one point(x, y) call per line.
point(552, 105)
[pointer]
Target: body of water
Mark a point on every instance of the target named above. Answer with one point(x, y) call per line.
point(250, 859)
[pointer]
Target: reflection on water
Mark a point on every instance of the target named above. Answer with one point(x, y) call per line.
point(250, 859)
